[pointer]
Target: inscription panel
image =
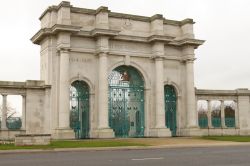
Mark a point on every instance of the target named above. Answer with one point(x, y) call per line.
point(130, 47)
point(80, 60)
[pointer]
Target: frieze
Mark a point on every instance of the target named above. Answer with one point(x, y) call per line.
point(80, 60)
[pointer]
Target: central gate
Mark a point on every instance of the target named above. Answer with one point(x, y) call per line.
point(126, 102)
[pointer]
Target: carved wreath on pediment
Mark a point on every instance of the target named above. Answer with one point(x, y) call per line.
point(127, 25)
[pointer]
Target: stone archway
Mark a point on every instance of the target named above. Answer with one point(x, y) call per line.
point(170, 108)
point(79, 109)
point(126, 102)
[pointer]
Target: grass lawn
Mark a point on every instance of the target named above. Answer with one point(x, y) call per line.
point(75, 144)
point(228, 138)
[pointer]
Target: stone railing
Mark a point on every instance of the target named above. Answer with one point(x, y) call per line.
point(34, 101)
point(217, 117)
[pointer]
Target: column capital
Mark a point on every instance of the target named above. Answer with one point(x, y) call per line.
point(222, 101)
point(102, 53)
point(63, 50)
point(4, 94)
point(158, 58)
point(188, 60)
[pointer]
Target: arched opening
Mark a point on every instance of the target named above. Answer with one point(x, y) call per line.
point(79, 109)
point(202, 106)
point(126, 102)
point(229, 109)
point(170, 108)
point(216, 113)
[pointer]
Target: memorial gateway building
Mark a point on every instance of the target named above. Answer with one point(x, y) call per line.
point(106, 74)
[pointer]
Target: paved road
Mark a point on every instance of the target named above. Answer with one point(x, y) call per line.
point(210, 156)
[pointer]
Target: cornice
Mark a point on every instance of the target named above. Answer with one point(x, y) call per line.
point(29, 84)
point(213, 94)
point(161, 38)
point(206, 92)
point(49, 9)
point(103, 32)
point(102, 9)
point(42, 33)
point(115, 14)
point(183, 42)
point(131, 38)
point(156, 17)
point(55, 8)
point(237, 92)
point(75, 30)
point(187, 21)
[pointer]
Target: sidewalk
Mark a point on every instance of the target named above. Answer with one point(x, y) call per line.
point(154, 143)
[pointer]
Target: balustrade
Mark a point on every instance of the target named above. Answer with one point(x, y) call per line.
point(220, 113)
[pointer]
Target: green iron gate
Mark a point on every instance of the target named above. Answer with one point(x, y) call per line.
point(170, 108)
point(79, 109)
point(126, 102)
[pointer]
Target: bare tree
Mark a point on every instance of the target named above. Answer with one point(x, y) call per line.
point(11, 111)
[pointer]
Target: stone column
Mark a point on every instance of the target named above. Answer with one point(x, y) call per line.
point(64, 89)
point(160, 124)
point(236, 115)
point(222, 114)
point(103, 92)
point(104, 130)
point(190, 95)
point(159, 94)
point(23, 112)
point(64, 131)
point(209, 115)
point(4, 112)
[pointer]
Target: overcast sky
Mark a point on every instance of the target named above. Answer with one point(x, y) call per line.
point(222, 62)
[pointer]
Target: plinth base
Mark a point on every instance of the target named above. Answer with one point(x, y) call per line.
point(102, 133)
point(191, 132)
point(160, 132)
point(63, 133)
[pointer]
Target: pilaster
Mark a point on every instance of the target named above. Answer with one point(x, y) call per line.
point(223, 124)
point(4, 113)
point(103, 130)
point(236, 115)
point(192, 117)
point(209, 115)
point(187, 28)
point(64, 130)
point(102, 18)
point(160, 124)
point(63, 14)
point(23, 112)
point(244, 107)
point(157, 24)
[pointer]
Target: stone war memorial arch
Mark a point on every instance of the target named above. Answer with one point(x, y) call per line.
point(106, 74)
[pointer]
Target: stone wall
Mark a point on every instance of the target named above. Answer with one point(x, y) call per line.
point(32, 139)
point(35, 107)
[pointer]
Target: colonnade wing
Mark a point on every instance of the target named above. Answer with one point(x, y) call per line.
point(217, 109)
